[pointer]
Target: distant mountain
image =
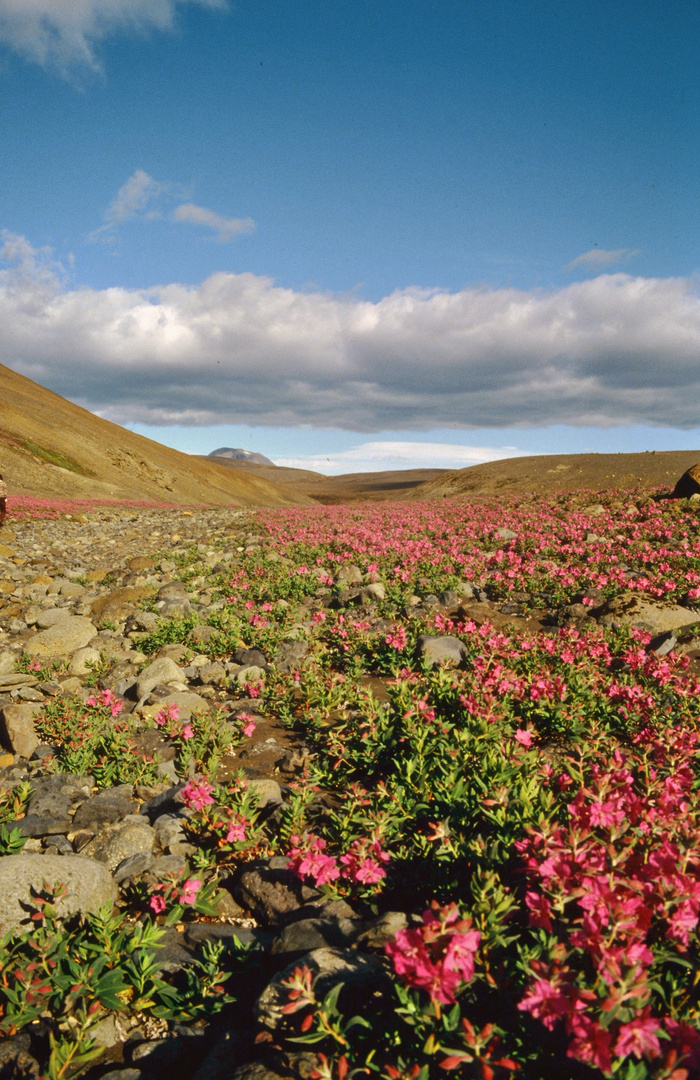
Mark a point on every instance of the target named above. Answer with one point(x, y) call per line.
point(241, 455)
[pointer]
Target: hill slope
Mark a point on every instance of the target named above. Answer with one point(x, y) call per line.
point(51, 447)
point(562, 472)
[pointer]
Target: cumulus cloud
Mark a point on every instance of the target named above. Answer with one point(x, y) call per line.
point(63, 34)
point(239, 349)
point(598, 257)
point(387, 455)
point(227, 229)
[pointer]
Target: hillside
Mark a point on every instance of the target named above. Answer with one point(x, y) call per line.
point(51, 447)
point(348, 487)
point(561, 472)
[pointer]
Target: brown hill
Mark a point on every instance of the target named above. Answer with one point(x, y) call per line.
point(51, 447)
point(562, 472)
point(348, 487)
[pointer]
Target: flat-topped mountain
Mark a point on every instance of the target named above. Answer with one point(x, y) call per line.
point(234, 454)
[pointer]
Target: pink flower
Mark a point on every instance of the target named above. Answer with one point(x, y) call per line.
point(524, 737)
point(639, 1037)
point(197, 794)
point(237, 830)
point(546, 1002)
point(249, 728)
point(157, 904)
point(187, 732)
point(190, 890)
point(363, 862)
point(307, 858)
point(591, 1043)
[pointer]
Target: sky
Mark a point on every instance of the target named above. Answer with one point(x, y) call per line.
point(355, 235)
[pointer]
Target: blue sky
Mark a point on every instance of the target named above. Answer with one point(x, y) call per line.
point(357, 235)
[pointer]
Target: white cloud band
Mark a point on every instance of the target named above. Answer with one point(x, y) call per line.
point(63, 33)
point(240, 349)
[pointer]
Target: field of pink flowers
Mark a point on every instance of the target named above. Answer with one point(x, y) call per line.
point(533, 811)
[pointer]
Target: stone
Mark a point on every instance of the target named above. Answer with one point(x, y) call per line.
point(133, 866)
point(89, 884)
point(15, 680)
point(84, 660)
point(439, 650)
point(360, 973)
point(632, 608)
point(186, 702)
point(105, 808)
point(688, 484)
point(163, 670)
point(61, 639)
point(17, 728)
point(379, 931)
point(249, 658)
point(37, 825)
point(349, 574)
point(116, 606)
point(269, 890)
point(307, 934)
point(50, 616)
point(117, 843)
point(290, 654)
point(505, 534)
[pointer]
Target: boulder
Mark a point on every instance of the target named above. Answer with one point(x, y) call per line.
point(689, 483)
point(89, 885)
point(163, 670)
point(17, 728)
point(631, 609)
point(439, 650)
point(62, 639)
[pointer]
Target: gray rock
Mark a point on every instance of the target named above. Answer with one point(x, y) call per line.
point(37, 825)
point(267, 792)
point(105, 808)
point(249, 657)
point(84, 660)
point(163, 670)
point(362, 973)
point(17, 728)
point(133, 866)
point(50, 616)
point(169, 830)
point(290, 654)
point(62, 639)
point(271, 892)
point(631, 608)
point(438, 650)
point(15, 680)
point(349, 574)
point(89, 883)
point(379, 931)
point(115, 844)
point(307, 934)
point(199, 932)
point(505, 534)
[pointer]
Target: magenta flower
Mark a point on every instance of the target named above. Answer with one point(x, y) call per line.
point(197, 794)
point(187, 732)
point(189, 891)
point(237, 830)
point(639, 1037)
point(157, 904)
point(524, 737)
point(308, 858)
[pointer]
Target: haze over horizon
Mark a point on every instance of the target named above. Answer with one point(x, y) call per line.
point(355, 237)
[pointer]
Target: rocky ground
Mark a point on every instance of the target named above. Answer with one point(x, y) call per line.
point(77, 596)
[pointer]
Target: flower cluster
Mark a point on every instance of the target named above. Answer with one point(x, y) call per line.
point(437, 956)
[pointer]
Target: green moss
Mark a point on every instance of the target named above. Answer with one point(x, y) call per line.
point(54, 457)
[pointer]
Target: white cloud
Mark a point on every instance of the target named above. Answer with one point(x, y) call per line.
point(227, 229)
point(63, 34)
point(238, 349)
point(387, 455)
point(598, 257)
